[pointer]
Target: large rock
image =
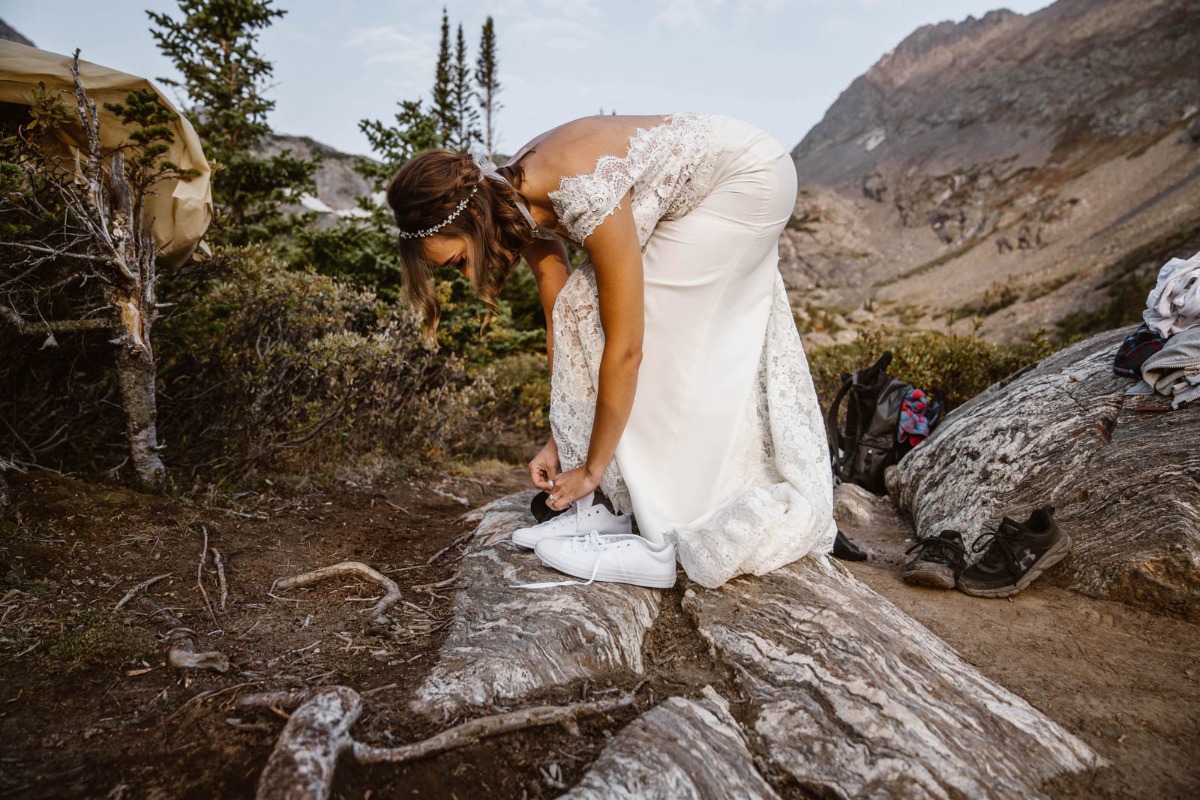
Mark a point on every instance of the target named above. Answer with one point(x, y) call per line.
point(1125, 483)
point(508, 643)
point(678, 750)
point(856, 699)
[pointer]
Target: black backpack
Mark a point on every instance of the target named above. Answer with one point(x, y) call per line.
point(866, 444)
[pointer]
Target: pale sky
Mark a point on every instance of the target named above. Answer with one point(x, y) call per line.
point(776, 63)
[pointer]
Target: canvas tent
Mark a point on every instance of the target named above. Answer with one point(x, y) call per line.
point(180, 210)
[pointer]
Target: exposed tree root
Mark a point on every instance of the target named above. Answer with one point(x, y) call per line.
point(284, 699)
point(346, 568)
point(143, 585)
point(302, 764)
point(181, 643)
point(306, 754)
point(221, 584)
point(472, 731)
point(200, 573)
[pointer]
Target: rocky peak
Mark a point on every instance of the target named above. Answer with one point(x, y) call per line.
point(339, 186)
point(1010, 167)
point(931, 47)
point(11, 34)
point(1101, 67)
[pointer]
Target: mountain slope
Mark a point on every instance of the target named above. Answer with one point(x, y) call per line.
point(1015, 165)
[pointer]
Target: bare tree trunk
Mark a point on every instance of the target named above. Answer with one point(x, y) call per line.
point(135, 356)
point(133, 250)
point(135, 377)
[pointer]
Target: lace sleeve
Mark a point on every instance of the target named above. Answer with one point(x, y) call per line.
point(583, 202)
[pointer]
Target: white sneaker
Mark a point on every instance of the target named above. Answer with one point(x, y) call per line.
point(582, 516)
point(619, 558)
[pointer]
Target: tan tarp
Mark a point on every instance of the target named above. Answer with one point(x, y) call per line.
point(180, 211)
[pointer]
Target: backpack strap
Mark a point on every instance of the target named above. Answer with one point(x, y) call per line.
point(831, 420)
point(871, 374)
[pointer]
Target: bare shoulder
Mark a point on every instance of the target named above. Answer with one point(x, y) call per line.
point(574, 147)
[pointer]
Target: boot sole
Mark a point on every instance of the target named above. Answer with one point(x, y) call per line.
point(1054, 555)
point(931, 576)
point(650, 581)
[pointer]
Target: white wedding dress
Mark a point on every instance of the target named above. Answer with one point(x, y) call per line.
point(724, 453)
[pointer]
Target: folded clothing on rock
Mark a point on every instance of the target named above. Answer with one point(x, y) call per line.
point(1174, 370)
point(1174, 303)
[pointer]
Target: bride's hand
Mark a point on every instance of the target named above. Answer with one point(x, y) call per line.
point(569, 486)
point(545, 466)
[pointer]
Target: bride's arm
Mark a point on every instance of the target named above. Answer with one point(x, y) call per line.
point(549, 262)
point(617, 259)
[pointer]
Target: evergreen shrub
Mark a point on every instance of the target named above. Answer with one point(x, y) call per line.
point(954, 368)
point(277, 370)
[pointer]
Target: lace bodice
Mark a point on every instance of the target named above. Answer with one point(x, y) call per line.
point(668, 167)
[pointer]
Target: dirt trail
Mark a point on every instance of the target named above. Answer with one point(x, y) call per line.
point(87, 708)
point(1125, 681)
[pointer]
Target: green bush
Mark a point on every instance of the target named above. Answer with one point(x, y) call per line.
point(363, 253)
point(518, 414)
point(350, 250)
point(280, 370)
point(953, 368)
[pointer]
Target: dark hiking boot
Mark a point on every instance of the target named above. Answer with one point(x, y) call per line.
point(847, 550)
point(1014, 555)
point(938, 561)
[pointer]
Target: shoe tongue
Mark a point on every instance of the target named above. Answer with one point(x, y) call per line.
point(950, 536)
point(585, 502)
point(1009, 526)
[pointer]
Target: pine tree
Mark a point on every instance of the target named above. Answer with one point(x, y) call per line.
point(415, 131)
point(213, 46)
point(464, 108)
point(487, 84)
point(443, 89)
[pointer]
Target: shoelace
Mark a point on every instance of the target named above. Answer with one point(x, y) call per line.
point(949, 548)
point(1003, 536)
point(589, 542)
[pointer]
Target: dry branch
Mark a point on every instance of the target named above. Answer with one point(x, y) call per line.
point(446, 549)
point(208, 695)
point(346, 568)
point(27, 328)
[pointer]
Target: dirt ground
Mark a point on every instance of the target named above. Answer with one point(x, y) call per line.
point(1125, 681)
point(88, 707)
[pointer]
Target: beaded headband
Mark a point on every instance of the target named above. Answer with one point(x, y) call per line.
point(487, 170)
point(431, 231)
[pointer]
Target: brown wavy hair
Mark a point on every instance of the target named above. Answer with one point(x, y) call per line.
point(424, 192)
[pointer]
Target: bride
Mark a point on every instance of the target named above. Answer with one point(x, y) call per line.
point(680, 394)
